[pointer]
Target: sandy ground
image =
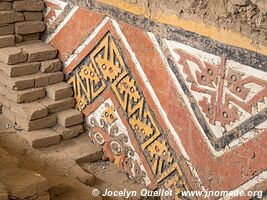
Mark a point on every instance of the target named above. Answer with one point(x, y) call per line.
point(69, 170)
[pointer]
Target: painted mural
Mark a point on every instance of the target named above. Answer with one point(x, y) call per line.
point(166, 113)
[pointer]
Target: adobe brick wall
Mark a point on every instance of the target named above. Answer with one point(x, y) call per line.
point(172, 108)
point(33, 94)
point(20, 21)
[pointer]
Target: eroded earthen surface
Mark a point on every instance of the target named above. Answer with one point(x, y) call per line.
point(55, 172)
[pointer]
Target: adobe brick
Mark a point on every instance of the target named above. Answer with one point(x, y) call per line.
point(27, 37)
point(17, 83)
point(5, 6)
point(20, 69)
point(33, 16)
point(59, 91)
point(28, 5)
point(6, 29)
point(39, 51)
point(68, 133)
point(7, 40)
point(42, 80)
point(37, 124)
point(12, 55)
point(25, 96)
point(69, 117)
point(57, 106)
point(28, 27)
point(8, 17)
point(41, 138)
point(55, 77)
point(49, 66)
point(29, 111)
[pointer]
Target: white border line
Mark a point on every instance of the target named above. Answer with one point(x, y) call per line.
point(62, 24)
point(86, 41)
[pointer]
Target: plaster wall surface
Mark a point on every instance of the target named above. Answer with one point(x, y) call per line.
point(172, 108)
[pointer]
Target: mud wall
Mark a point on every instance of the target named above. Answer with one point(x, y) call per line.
point(173, 105)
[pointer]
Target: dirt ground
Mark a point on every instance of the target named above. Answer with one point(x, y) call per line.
point(69, 170)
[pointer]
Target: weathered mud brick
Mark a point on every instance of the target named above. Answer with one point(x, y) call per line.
point(69, 117)
point(25, 96)
point(12, 55)
point(33, 16)
point(17, 83)
point(29, 111)
point(68, 133)
point(20, 69)
point(59, 91)
point(57, 106)
point(30, 37)
point(7, 17)
point(7, 113)
point(28, 27)
point(28, 5)
point(5, 5)
point(37, 124)
point(55, 77)
point(21, 83)
point(40, 80)
point(49, 66)
point(6, 29)
point(39, 51)
point(7, 40)
point(41, 138)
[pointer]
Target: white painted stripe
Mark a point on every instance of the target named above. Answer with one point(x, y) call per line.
point(249, 184)
point(164, 115)
point(62, 24)
point(237, 142)
point(86, 42)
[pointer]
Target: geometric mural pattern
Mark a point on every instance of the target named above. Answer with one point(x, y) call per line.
point(105, 67)
point(167, 114)
point(231, 97)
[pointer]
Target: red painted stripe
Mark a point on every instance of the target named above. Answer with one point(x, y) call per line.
point(75, 32)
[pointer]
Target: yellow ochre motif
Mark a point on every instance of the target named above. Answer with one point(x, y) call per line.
point(109, 115)
point(106, 68)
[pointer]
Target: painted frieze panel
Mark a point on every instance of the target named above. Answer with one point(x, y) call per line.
point(103, 69)
point(171, 108)
point(229, 98)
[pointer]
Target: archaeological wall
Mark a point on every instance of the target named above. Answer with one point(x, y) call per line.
point(175, 102)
